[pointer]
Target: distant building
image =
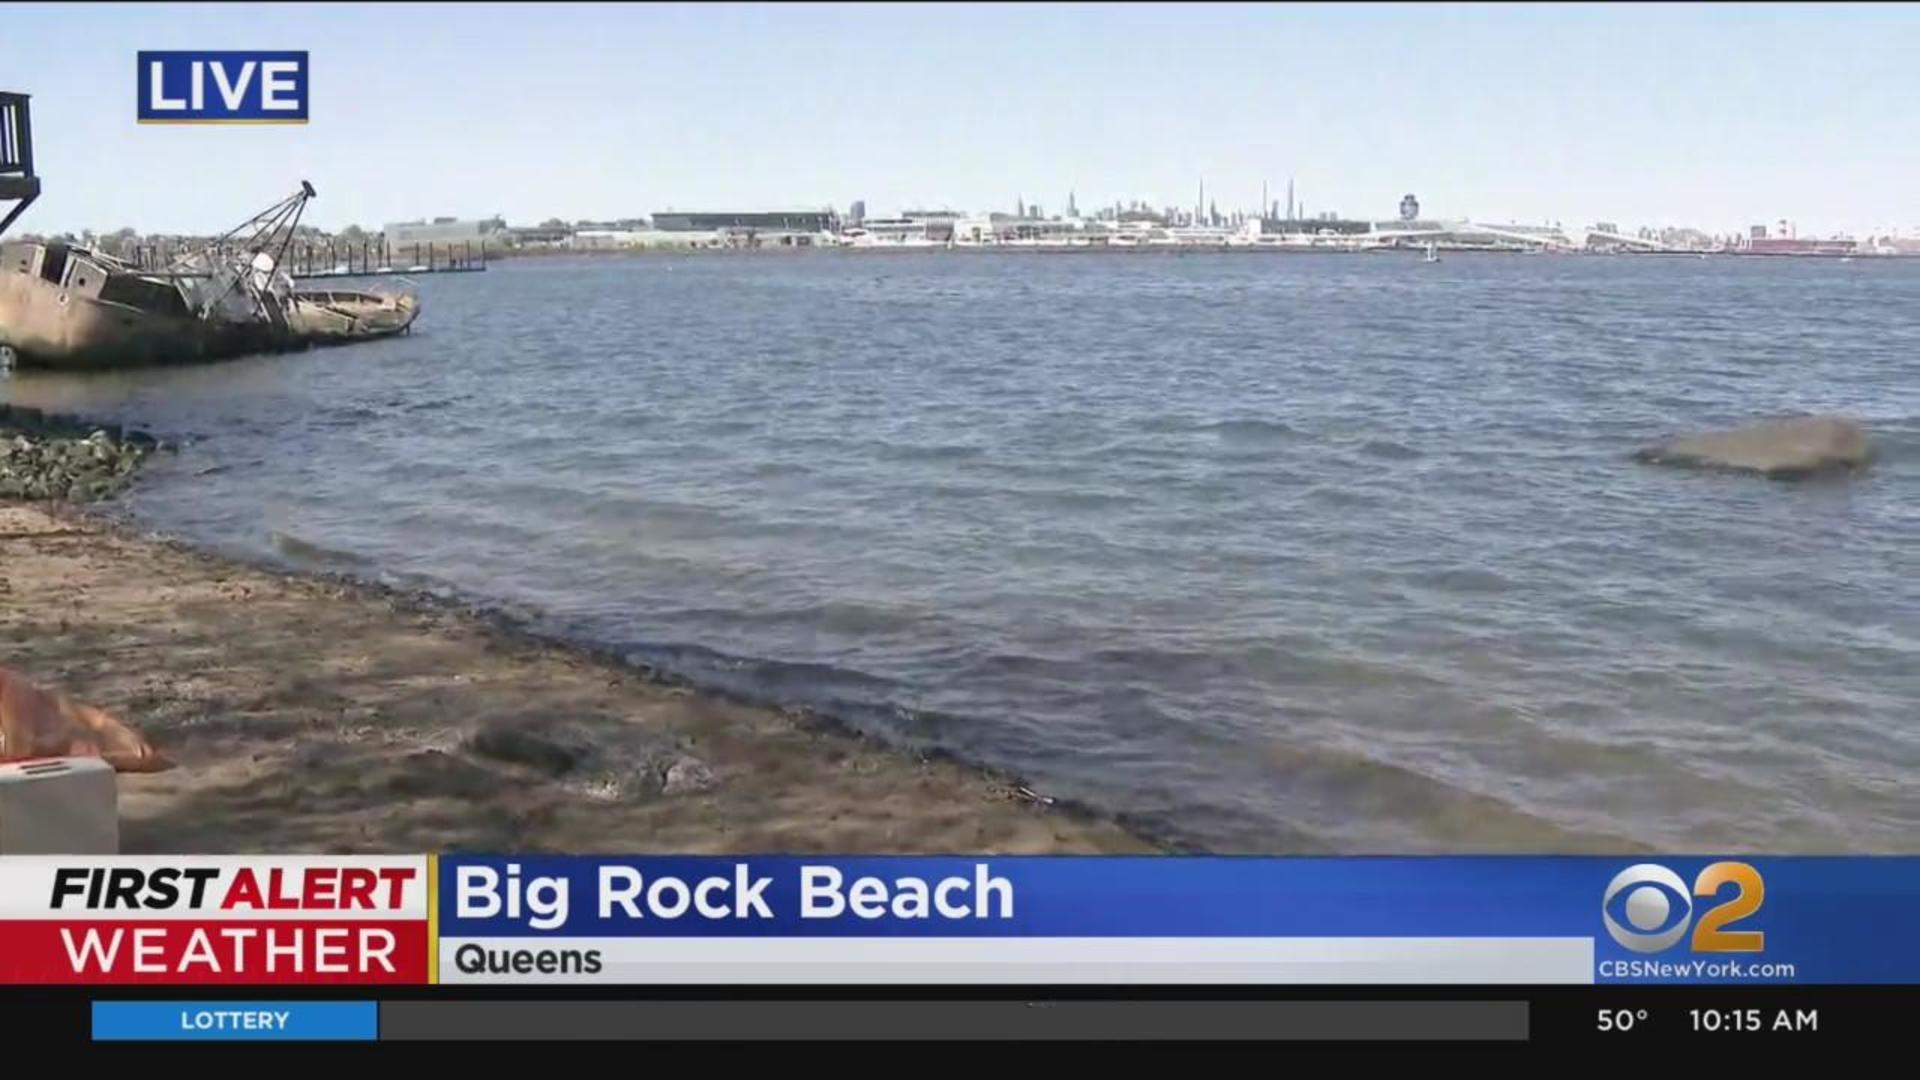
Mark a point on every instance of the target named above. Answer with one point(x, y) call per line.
point(1406, 225)
point(808, 221)
point(605, 239)
point(1409, 208)
point(1788, 245)
point(612, 239)
point(898, 232)
point(539, 236)
point(619, 225)
point(1033, 229)
point(973, 230)
point(437, 231)
point(857, 213)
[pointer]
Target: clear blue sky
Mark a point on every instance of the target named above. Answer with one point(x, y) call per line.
point(1656, 115)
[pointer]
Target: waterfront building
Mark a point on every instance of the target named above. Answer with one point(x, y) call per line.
point(1424, 230)
point(444, 230)
point(973, 231)
point(777, 221)
point(605, 239)
point(1793, 245)
point(894, 232)
point(532, 236)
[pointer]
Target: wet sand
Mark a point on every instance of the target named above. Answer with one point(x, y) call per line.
point(311, 715)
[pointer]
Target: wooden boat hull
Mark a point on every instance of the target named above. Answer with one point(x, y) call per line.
point(50, 327)
point(92, 318)
point(328, 317)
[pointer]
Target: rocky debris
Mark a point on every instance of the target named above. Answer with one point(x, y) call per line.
point(614, 764)
point(687, 776)
point(431, 774)
point(619, 786)
point(47, 457)
point(518, 746)
point(1783, 449)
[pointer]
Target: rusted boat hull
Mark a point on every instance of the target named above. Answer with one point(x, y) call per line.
point(47, 327)
point(65, 308)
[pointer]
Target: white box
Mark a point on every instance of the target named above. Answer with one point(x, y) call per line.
point(58, 806)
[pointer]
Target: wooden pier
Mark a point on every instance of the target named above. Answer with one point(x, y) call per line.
point(350, 260)
point(367, 258)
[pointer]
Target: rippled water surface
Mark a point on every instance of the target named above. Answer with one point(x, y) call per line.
point(1270, 553)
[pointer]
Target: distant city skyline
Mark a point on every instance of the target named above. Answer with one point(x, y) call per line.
point(1717, 118)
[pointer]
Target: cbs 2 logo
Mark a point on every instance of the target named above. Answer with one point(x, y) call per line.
point(1654, 908)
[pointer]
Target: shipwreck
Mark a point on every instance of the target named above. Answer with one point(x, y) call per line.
point(72, 307)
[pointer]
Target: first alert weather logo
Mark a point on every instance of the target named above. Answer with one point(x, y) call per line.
point(1647, 908)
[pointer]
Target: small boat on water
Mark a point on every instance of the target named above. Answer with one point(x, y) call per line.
point(338, 314)
point(70, 307)
point(1433, 254)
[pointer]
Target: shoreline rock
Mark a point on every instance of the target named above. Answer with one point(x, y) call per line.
point(1787, 448)
point(45, 457)
point(518, 746)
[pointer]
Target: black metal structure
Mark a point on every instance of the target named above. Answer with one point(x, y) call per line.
point(18, 182)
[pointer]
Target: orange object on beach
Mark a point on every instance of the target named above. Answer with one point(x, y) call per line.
point(36, 723)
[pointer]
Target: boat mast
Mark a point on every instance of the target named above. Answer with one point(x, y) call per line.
point(270, 231)
point(239, 250)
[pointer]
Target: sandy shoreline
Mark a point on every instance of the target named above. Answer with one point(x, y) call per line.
point(306, 714)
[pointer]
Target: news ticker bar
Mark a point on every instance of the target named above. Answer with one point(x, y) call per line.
point(788, 1021)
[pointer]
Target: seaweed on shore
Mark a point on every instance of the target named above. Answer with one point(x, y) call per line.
point(49, 457)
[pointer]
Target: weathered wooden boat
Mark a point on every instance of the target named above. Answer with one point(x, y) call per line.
point(71, 307)
point(322, 315)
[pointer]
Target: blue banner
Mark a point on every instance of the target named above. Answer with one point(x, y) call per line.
point(1658, 920)
point(222, 87)
point(229, 1021)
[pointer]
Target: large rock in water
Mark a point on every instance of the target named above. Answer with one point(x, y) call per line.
point(1784, 449)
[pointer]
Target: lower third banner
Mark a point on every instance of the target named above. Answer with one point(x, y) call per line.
point(1189, 921)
